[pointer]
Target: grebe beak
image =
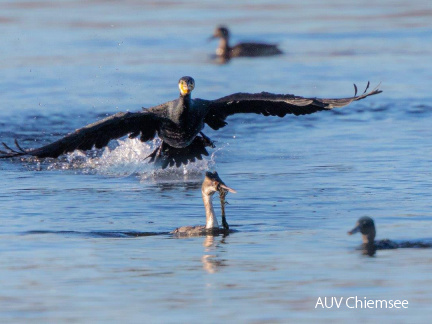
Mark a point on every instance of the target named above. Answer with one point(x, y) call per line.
point(223, 186)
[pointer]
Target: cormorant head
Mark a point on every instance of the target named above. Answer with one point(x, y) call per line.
point(220, 32)
point(366, 226)
point(186, 85)
point(212, 183)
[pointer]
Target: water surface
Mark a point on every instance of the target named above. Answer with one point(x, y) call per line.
point(302, 182)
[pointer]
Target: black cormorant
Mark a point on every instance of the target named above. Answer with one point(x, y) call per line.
point(242, 49)
point(366, 226)
point(179, 123)
point(212, 183)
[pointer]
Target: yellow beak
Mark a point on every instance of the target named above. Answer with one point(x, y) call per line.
point(184, 89)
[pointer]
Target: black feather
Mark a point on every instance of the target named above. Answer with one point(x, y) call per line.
point(96, 135)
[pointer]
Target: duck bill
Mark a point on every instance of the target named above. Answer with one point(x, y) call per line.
point(354, 230)
point(223, 186)
point(211, 38)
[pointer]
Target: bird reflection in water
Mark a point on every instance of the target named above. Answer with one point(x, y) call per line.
point(211, 260)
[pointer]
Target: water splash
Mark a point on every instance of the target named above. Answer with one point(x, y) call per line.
point(127, 157)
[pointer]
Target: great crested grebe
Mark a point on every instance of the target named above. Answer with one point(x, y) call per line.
point(212, 183)
point(366, 226)
point(242, 49)
point(179, 123)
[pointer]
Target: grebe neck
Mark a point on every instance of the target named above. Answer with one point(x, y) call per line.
point(223, 49)
point(211, 221)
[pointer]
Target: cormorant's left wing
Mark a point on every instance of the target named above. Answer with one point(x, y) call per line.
point(269, 104)
point(97, 134)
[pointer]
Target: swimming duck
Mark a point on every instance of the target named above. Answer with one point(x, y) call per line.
point(366, 226)
point(212, 183)
point(179, 123)
point(242, 49)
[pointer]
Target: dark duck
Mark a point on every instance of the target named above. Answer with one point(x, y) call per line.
point(366, 226)
point(212, 183)
point(179, 123)
point(243, 49)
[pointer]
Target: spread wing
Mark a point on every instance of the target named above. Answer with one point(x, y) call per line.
point(97, 134)
point(269, 104)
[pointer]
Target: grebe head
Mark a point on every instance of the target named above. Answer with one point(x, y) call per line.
point(220, 32)
point(213, 183)
point(366, 226)
point(186, 85)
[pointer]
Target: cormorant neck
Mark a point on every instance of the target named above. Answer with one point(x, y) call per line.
point(211, 221)
point(186, 99)
point(223, 48)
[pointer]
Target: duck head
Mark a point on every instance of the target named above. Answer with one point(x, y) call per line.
point(366, 226)
point(220, 32)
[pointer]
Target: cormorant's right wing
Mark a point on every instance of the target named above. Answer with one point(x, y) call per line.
point(97, 134)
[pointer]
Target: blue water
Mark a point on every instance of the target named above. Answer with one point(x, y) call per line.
point(302, 182)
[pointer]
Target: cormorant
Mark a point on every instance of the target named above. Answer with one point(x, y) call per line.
point(211, 184)
point(242, 49)
point(179, 123)
point(366, 226)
